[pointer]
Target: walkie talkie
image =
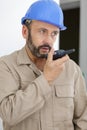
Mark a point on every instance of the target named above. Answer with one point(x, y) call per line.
point(60, 53)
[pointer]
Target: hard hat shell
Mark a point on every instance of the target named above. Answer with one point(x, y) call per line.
point(46, 11)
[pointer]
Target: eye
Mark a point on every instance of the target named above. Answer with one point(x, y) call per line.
point(55, 33)
point(42, 31)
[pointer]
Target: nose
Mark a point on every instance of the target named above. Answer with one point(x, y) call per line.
point(48, 39)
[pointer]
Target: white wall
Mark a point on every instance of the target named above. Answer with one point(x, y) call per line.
point(11, 12)
point(83, 37)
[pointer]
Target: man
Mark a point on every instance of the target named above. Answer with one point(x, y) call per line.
point(37, 92)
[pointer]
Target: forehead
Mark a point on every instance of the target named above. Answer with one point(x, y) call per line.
point(40, 24)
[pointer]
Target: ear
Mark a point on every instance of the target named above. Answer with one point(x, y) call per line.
point(24, 31)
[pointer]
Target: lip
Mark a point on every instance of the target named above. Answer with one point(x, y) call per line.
point(44, 49)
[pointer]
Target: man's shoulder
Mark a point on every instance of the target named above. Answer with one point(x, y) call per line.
point(71, 63)
point(10, 57)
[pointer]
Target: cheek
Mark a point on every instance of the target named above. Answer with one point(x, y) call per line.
point(37, 40)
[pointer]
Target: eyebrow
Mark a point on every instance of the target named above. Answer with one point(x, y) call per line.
point(43, 28)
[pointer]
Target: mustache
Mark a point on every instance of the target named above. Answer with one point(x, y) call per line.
point(44, 45)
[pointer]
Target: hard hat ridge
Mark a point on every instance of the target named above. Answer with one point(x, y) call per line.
point(46, 11)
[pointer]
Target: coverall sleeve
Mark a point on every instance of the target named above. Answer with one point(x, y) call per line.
point(80, 111)
point(17, 104)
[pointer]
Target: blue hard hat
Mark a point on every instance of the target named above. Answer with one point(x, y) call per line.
point(46, 11)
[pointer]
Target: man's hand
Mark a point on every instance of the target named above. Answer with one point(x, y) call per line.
point(53, 68)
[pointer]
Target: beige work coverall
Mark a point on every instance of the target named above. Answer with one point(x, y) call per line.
point(28, 102)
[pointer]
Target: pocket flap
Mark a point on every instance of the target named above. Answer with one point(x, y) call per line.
point(64, 91)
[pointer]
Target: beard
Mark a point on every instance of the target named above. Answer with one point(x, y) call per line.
point(36, 50)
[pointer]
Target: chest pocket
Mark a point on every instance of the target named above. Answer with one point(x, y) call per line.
point(63, 102)
point(66, 91)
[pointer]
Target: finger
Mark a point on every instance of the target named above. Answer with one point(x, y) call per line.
point(50, 55)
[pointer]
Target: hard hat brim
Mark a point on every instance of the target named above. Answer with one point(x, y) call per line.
point(60, 27)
